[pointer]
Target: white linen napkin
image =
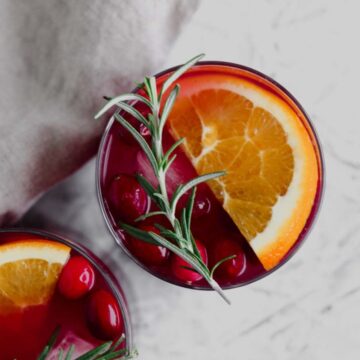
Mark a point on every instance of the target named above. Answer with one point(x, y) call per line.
point(57, 59)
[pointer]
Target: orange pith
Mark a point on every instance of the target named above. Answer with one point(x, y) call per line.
point(29, 270)
point(271, 166)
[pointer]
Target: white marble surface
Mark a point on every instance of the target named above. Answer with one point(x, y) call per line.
point(309, 309)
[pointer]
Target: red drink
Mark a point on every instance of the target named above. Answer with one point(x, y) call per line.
point(24, 331)
point(120, 156)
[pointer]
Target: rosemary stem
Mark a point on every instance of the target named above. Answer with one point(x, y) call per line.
point(218, 289)
point(170, 215)
point(178, 238)
point(163, 191)
point(158, 148)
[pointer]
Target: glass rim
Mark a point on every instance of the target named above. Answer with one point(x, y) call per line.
point(312, 218)
point(99, 265)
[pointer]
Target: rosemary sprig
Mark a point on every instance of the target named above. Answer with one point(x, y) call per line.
point(105, 351)
point(179, 238)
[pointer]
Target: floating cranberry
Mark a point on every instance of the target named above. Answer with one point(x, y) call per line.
point(144, 131)
point(77, 278)
point(104, 316)
point(202, 205)
point(148, 253)
point(178, 266)
point(127, 199)
point(233, 268)
point(140, 127)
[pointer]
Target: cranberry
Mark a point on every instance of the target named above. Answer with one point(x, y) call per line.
point(178, 265)
point(127, 199)
point(104, 316)
point(77, 278)
point(140, 127)
point(233, 268)
point(144, 131)
point(202, 205)
point(148, 253)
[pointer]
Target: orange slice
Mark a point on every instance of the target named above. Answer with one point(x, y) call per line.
point(29, 270)
point(269, 158)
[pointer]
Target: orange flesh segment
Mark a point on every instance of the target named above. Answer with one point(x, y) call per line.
point(29, 271)
point(269, 159)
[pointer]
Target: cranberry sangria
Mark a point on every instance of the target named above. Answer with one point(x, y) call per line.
point(209, 175)
point(56, 298)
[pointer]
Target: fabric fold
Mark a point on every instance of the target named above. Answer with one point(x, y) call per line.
point(57, 60)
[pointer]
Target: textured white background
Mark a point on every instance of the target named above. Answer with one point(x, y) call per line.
point(309, 309)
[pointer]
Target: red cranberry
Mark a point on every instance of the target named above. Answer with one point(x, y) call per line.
point(104, 316)
point(148, 253)
point(127, 199)
point(202, 205)
point(140, 127)
point(178, 266)
point(77, 278)
point(144, 131)
point(233, 268)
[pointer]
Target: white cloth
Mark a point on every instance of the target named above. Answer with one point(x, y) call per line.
point(57, 59)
